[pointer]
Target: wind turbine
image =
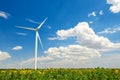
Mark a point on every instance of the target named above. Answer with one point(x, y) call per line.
point(37, 36)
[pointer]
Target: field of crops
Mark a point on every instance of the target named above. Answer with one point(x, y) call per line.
point(60, 74)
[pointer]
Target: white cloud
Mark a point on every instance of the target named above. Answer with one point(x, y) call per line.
point(85, 36)
point(95, 13)
point(91, 22)
point(72, 52)
point(53, 38)
point(115, 8)
point(4, 55)
point(109, 61)
point(32, 21)
point(92, 14)
point(110, 30)
point(101, 12)
point(4, 14)
point(22, 34)
point(17, 48)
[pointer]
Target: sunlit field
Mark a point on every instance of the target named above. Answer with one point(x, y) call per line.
point(60, 74)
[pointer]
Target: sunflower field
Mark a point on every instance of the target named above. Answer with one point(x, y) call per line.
point(60, 74)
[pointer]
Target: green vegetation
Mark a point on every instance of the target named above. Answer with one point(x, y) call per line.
point(60, 74)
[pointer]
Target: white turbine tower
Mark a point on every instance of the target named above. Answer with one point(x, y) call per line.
point(36, 39)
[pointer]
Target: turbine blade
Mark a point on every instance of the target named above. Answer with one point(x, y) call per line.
point(41, 23)
point(25, 28)
point(38, 36)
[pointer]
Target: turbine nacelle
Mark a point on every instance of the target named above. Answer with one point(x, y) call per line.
point(36, 29)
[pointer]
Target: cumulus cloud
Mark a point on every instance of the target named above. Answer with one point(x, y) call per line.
point(115, 5)
point(85, 36)
point(92, 14)
point(112, 61)
point(4, 55)
point(17, 48)
point(73, 52)
point(110, 30)
point(64, 54)
point(4, 14)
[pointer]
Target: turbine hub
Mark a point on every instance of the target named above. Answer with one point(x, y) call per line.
point(37, 29)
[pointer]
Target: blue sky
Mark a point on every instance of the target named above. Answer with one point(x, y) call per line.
point(77, 33)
